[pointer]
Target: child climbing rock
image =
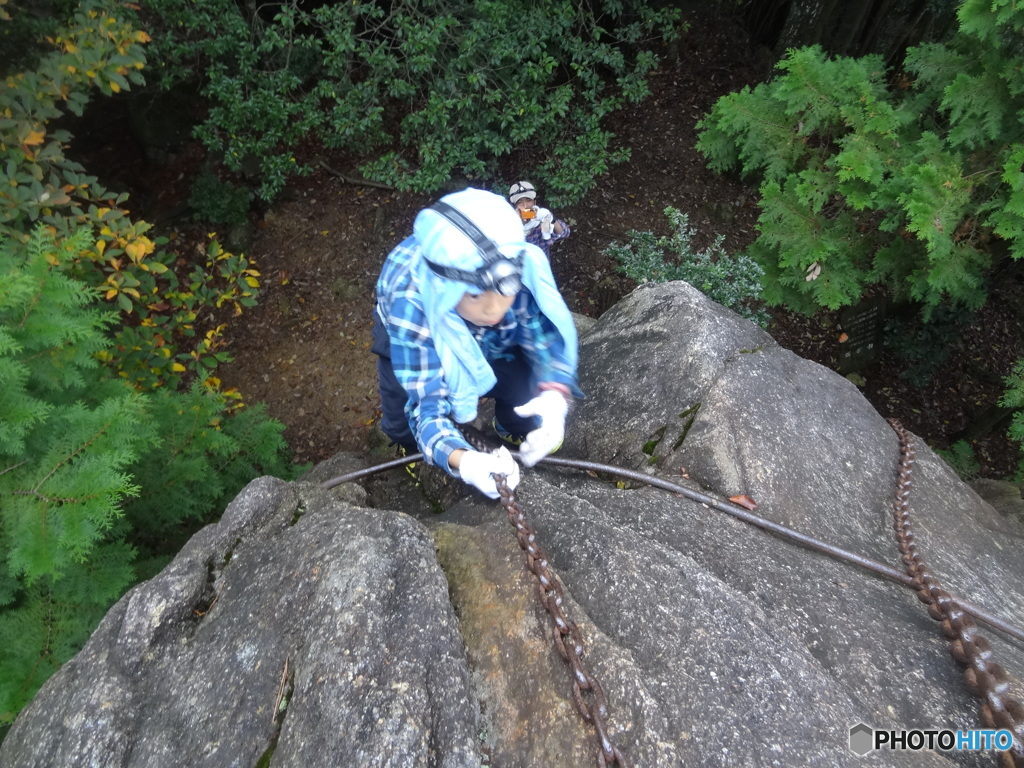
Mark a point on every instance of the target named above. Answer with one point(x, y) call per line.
point(466, 308)
point(539, 224)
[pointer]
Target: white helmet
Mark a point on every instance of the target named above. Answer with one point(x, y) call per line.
point(521, 189)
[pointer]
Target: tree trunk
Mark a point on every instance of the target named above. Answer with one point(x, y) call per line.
point(847, 28)
point(871, 36)
point(765, 19)
point(849, 33)
point(806, 24)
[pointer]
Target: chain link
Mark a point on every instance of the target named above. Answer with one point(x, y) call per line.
point(984, 677)
point(586, 689)
point(587, 692)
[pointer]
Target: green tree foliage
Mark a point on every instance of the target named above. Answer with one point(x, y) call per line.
point(98, 49)
point(420, 91)
point(733, 280)
point(1014, 398)
point(909, 180)
point(67, 440)
point(868, 177)
point(93, 473)
point(960, 457)
point(96, 334)
point(205, 456)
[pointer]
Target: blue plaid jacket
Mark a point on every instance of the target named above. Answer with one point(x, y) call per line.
point(418, 367)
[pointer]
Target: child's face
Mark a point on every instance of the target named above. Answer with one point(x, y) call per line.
point(485, 308)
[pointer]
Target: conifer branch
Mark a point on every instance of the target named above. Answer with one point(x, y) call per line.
point(13, 467)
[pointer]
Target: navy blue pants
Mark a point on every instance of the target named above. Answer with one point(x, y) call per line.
point(514, 387)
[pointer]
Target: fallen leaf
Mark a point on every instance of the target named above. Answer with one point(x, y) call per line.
point(843, 338)
point(744, 501)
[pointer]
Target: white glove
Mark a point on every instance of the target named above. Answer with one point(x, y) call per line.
point(551, 408)
point(476, 468)
point(547, 222)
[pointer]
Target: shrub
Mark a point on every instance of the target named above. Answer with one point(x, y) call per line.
point(961, 459)
point(418, 91)
point(732, 280)
point(97, 330)
point(869, 177)
point(911, 181)
point(93, 472)
point(923, 347)
point(1014, 398)
point(219, 202)
point(99, 49)
point(66, 440)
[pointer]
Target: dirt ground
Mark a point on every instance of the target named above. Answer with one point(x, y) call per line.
point(305, 349)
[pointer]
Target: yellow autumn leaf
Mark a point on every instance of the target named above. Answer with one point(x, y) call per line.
point(142, 37)
point(115, 87)
point(178, 367)
point(35, 137)
point(138, 248)
point(252, 282)
point(101, 246)
point(111, 293)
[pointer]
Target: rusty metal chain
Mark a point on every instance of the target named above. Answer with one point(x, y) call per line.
point(985, 678)
point(587, 691)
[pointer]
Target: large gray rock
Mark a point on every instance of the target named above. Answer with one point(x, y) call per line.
point(416, 637)
point(297, 608)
